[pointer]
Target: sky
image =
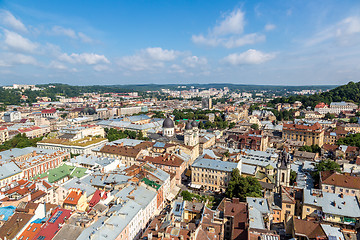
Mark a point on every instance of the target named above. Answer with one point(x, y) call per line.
point(85, 42)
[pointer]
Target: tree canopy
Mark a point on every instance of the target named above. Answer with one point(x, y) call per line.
point(19, 141)
point(350, 140)
point(242, 187)
point(325, 165)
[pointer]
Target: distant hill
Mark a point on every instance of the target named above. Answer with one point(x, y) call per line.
point(155, 87)
point(349, 92)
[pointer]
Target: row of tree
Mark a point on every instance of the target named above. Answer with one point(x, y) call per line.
point(19, 141)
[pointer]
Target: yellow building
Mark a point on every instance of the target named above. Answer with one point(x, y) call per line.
point(309, 134)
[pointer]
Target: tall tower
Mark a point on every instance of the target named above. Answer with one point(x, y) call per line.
point(283, 171)
point(188, 134)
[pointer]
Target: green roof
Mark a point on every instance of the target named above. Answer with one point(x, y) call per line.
point(151, 183)
point(61, 172)
point(269, 167)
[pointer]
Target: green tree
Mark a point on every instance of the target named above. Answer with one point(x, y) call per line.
point(312, 148)
point(350, 140)
point(255, 126)
point(325, 165)
point(232, 125)
point(293, 176)
point(242, 187)
point(329, 116)
point(353, 120)
point(186, 195)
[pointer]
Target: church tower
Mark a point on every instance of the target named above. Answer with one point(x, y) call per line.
point(283, 171)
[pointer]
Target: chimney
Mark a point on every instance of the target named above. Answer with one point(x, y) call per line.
point(341, 195)
point(34, 153)
point(235, 200)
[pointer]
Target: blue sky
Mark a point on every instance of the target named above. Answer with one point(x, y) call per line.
point(288, 42)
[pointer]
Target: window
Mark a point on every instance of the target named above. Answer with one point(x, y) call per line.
point(308, 209)
point(288, 206)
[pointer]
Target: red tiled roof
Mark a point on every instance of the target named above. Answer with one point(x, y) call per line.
point(321, 105)
point(52, 225)
point(51, 110)
point(340, 180)
point(73, 197)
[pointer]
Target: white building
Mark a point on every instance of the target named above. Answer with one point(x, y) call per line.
point(12, 116)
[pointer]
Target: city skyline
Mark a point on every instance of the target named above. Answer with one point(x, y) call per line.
point(139, 42)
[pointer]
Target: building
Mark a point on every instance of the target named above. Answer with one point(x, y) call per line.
point(168, 162)
point(49, 113)
point(338, 209)
point(338, 107)
point(168, 127)
point(4, 134)
point(334, 182)
point(254, 140)
point(80, 146)
point(12, 116)
point(322, 108)
point(236, 220)
point(212, 174)
point(310, 134)
point(33, 161)
point(206, 103)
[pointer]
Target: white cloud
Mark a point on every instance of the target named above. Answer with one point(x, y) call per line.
point(342, 32)
point(194, 61)
point(18, 42)
point(251, 56)
point(58, 30)
point(148, 59)
point(68, 32)
point(160, 54)
point(243, 40)
point(84, 58)
point(230, 42)
point(175, 68)
point(101, 68)
point(84, 38)
point(269, 27)
point(8, 20)
point(229, 33)
point(57, 65)
point(10, 59)
point(232, 24)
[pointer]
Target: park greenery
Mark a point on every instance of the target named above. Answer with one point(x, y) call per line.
point(242, 187)
point(113, 134)
point(350, 140)
point(19, 141)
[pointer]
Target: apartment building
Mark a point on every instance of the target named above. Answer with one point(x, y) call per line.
point(212, 174)
point(309, 134)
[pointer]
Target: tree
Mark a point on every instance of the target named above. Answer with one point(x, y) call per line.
point(350, 140)
point(353, 120)
point(255, 126)
point(312, 148)
point(242, 187)
point(293, 176)
point(325, 165)
point(186, 195)
point(232, 125)
point(329, 116)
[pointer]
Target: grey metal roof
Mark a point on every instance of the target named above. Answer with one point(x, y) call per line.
point(215, 164)
point(346, 206)
point(8, 170)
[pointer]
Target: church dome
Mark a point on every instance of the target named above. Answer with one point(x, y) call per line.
point(188, 126)
point(168, 123)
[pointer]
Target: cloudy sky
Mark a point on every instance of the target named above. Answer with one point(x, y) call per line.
point(292, 42)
